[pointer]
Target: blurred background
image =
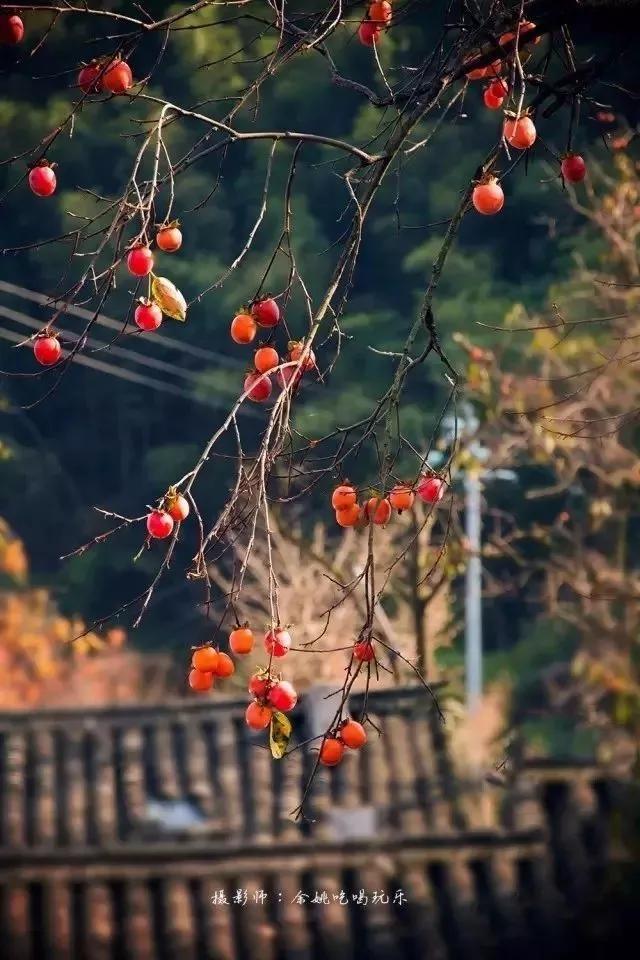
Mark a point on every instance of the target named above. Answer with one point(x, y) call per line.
point(136, 820)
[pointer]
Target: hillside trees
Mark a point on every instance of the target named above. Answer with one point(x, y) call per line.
point(565, 418)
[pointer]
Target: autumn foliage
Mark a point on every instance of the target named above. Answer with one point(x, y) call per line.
point(41, 661)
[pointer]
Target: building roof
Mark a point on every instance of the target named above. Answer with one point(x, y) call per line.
point(118, 828)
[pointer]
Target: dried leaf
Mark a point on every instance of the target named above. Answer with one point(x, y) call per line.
point(166, 295)
point(279, 734)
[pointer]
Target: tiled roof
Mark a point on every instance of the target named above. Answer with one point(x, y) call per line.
point(118, 828)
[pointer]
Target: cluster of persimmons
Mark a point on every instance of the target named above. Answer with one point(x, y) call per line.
point(519, 130)
point(269, 692)
point(258, 383)
point(378, 509)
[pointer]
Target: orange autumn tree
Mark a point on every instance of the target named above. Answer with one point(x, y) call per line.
point(39, 666)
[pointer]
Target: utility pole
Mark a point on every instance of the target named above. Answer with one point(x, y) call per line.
point(460, 429)
point(473, 589)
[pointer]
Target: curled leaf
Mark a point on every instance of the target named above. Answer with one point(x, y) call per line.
point(279, 734)
point(166, 295)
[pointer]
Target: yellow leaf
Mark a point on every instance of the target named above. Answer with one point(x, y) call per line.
point(543, 341)
point(279, 734)
point(167, 296)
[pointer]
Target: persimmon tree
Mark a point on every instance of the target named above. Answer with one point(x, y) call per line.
point(529, 71)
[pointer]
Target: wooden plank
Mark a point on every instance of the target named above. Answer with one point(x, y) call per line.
point(523, 809)
point(509, 924)
point(347, 792)
point(424, 771)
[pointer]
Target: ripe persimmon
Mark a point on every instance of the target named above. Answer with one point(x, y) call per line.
point(488, 197)
point(343, 496)
point(381, 13)
point(200, 681)
point(266, 312)
point(178, 508)
point(520, 132)
point(159, 524)
point(363, 650)
point(277, 642)
point(259, 685)
point(482, 73)
point(431, 489)
point(296, 349)
point(574, 168)
point(353, 734)
point(282, 696)
point(348, 516)
point(265, 359)
point(140, 261)
point(241, 641)
point(205, 659)
point(331, 752)
point(47, 350)
point(402, 497)
point(243, 328)
point(369, 33)
point(169, 238)
point(117, 77)
point(491, 101)
point(258, 716)
point(378, 510)
point(258, 385)
point(225, 667)
point(42, 180)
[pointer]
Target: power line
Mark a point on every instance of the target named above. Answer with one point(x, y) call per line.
point(114, 350)
point(133, 377)
point(159, 338)
point(117, 325)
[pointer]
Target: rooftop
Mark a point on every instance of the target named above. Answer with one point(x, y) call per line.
point(120, 828)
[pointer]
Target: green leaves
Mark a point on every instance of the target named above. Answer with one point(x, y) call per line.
point(279, 734)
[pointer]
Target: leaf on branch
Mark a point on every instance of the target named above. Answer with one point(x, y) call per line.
point(166, 295)
point(279, 734)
